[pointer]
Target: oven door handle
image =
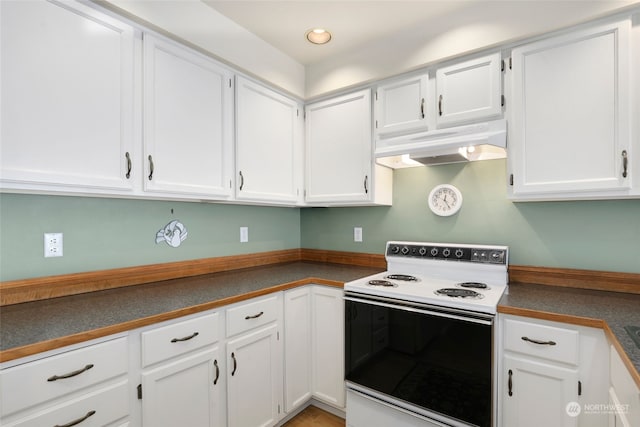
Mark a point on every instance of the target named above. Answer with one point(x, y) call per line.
point(384, 302)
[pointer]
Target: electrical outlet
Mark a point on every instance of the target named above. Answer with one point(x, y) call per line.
point(244, 234)
point(52, 244)
point(357, 234)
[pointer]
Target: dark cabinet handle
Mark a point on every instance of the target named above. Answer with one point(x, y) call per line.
point(151, 167)
point(510, 382)
point(440, 105)
point(76, 422)
point(625, 163)
point(422, 108)
point(128, 175)
point(215, 364)
point(255, 316)
point(70, 374)
point(366, 184)
point(538, 342)
point(193, 335)
point(241, 180)
point(235, 364)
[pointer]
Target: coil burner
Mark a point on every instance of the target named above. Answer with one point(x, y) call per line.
point(384, 283)
point(459, 293)
point(473, 285)
point(402, 277)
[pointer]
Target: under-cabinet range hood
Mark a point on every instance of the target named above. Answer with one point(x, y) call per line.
point(481, 141)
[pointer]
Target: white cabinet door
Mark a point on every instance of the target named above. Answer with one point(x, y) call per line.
point(538, 394)
point(268, 145)
point(67, 99)
point(570, 128)
point(186, 392)
point(254, 379)
point(469, 91)
point(400, 107)
point(327, 347)
point(188, 122)
point(339, 149)
point(297, 347)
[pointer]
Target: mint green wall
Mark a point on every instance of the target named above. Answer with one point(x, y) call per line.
point(597, 235)
point(110, 233)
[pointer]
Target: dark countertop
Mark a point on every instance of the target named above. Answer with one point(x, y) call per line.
point(616, 309)
point(34, 322)
point(28, 325)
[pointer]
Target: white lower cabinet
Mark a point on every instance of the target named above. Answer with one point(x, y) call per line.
point(549, 373)
point(181, 377)
point(87, 384)
point(186, 392)
point(327, 345)
point(297, 347)
point(624, 395)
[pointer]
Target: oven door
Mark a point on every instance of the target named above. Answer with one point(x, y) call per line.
point(431, 360)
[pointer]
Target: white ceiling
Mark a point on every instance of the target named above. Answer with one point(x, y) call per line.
point(358, 23)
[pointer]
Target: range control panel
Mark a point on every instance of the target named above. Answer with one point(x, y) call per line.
point(448, 252)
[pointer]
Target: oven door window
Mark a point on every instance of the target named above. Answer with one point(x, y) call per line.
point(437, 363)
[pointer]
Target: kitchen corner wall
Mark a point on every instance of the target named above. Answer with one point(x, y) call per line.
point(594, 235)
point(102, 233)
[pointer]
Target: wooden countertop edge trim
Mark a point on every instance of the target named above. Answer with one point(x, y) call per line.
point(581, 321)
point(576, 278)
point(26, 290)
point(40, 347)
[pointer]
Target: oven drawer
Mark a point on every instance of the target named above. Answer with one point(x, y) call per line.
point(544, 341)
point(247, 316)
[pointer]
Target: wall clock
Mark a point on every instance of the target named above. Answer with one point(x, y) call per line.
point(445, 200)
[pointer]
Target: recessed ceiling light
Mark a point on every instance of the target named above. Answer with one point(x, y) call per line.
point(318, 36)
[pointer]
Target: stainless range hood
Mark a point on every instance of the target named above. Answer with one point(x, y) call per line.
point(481, 141)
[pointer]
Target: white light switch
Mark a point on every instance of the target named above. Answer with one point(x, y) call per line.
point(52, 244)
point(357, 234)
point(244, 234)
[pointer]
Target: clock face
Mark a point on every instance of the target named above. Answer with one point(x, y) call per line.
point(445, 200)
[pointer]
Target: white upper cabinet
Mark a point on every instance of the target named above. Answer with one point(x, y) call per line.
point(339, 152)
point(67, 99)
point(469, 91)
point(188, 122)
point(569, 134)
point(268, 145)
point(400, 107)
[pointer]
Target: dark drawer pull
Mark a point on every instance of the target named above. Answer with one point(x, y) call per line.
point(193, 335)
point(255, 316)
point(235, 364)
point(215, 365)
point(510, 382)
point(70, 374)
point(538, 342)
point(76, 422)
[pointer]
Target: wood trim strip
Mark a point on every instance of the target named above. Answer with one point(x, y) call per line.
point(18, 291)
point(338, 257)
point(573, 278)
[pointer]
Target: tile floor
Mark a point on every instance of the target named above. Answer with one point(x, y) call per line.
point(315, 417)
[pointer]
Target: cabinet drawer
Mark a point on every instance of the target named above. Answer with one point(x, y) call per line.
point(543, 341)
point(173, 340)
point(251, 315)
point(36, 382)
point(99, 408)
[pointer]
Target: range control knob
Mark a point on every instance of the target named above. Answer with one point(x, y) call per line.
point(434, 251)
point(405, 250)
point(459, 253)
point(446, 252)
point(395, 249)
point(422, 251)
